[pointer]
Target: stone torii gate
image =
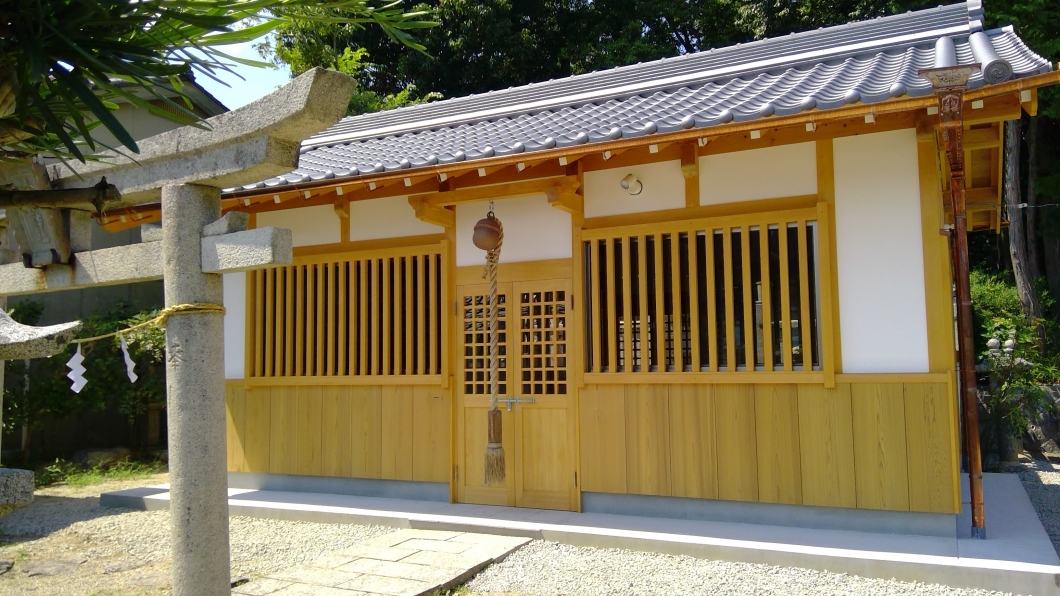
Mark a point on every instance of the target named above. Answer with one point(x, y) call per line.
point(186, 168)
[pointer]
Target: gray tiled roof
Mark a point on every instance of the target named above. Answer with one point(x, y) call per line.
point(867, 62)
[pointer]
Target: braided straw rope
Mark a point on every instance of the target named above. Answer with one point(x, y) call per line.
point(491, 272)
point(160, 320)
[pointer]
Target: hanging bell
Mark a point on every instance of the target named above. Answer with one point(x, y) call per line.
point(487, 233)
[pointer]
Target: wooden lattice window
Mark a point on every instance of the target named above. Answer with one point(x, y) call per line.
point(732, 294)
point(543, 342)
point(476, 314)
point(348, 315)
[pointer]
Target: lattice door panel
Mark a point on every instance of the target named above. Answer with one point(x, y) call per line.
point(473, 392)
point(475, 321)
point(543, 322)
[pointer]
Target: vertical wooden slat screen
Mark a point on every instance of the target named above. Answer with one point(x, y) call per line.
point(357, 314)
point(693, 300)
point(730, 294)
point(659, 320)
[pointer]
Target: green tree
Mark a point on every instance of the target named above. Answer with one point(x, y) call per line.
point(63, 61)
point(40, 392)
point(484, 45)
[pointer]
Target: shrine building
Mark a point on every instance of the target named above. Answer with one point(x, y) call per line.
point(725, 282)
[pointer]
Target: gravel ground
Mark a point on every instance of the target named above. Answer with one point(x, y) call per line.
point(552, 569)
point(1042, 481)
point(127, 552)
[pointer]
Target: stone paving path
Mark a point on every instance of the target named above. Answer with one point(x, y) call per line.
point(404, 563)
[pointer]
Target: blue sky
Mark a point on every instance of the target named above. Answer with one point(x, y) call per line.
point(256, 82)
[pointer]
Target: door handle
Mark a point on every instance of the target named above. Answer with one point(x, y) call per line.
point(517, 400)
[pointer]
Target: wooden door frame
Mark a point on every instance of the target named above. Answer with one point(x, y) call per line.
point(528, 271)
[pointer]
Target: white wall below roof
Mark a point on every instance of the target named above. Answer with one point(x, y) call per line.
point(389, 217)
point(235, 299)
point(882, 308)
point(664, 188)
point(533, 230)
point(767, 173)
point(308, 225)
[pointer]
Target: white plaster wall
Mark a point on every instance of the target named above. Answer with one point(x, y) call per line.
point(389, 217)
point(664, 188)
point(882, 308)
point(533, 230)
point(308, 225)
point(768, 173)
point(235, 299)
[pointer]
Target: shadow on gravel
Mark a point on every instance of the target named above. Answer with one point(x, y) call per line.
point(46, 515)
point(1045, 497)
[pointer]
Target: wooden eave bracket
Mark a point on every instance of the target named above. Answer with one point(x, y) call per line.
point(1029, 101)
point(432, 214)
point(566, 197)
point(342, 208)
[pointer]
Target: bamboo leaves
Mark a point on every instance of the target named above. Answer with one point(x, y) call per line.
point(66, 64)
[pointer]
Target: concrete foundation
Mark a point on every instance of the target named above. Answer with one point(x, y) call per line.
point(360, 487)
point(196, 397)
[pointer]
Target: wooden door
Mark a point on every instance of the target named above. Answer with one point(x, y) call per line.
point(544, 430)
point(538, 438)
point(473, 394)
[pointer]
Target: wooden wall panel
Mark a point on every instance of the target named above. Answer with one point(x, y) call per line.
point(826, 446)
point(308, 427)
point(336, 437)
point(879, 445)
point(602, 428)
point(734, 409)
point(258, 429)
point(235, 425)
point(647, 440)
point(929, 443)
point(693, 454)
point(430, 434)
point(875, 445)
point(777, 434)
point(397, 435)
point(367, 431)
point(283, 447)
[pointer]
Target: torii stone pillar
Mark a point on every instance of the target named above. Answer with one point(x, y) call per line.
point(195, 393)
point(186, 168)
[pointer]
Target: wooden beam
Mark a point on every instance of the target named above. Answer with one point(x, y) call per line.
point(496, 191)
point(633, 156)
point(690, 171)
point(982, 138)
point(432, 214)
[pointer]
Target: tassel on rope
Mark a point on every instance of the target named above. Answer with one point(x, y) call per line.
point(489, 235)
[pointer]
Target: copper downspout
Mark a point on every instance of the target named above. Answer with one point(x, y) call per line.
point(949, 83)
